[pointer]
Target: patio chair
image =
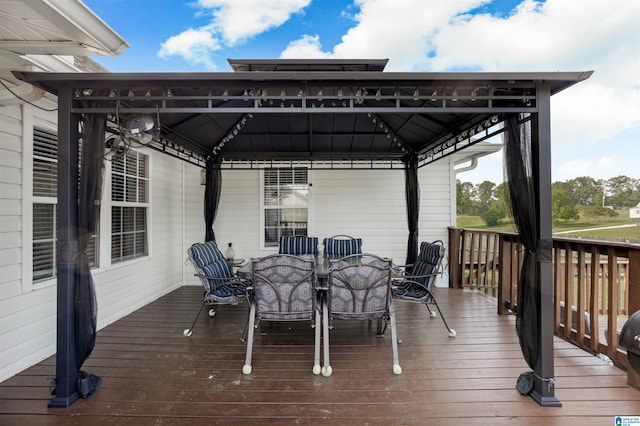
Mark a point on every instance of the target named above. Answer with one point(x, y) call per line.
point(341, 245)
point(283, 289)
point(298, 245)
point(221, 286)
point(416, 281)
point(360, 289)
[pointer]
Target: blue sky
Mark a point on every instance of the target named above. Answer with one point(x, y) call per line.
point(595, 124)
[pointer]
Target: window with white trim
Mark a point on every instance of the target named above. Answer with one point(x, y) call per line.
point(286, 204)
point(45, 209)
point(129, 206)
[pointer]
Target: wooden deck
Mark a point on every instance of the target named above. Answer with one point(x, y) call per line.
point(153, 375)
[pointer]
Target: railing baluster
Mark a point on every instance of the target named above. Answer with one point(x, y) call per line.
point(594, 299)
point(581, 294)
point(592, 279)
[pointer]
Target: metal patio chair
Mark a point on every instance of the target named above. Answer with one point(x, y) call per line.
point(360, 289)
point(284, 288)
point(416, 281)
point(221, 286)
point(341, 245)
point(298, 245)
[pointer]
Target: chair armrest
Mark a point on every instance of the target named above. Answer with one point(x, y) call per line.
point(217, 280)
point(413, 277)
point(401, 268)
point(413, 283)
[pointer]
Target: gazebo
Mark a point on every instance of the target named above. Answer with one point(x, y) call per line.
point(317, 114)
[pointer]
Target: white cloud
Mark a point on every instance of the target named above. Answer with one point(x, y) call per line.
point(195, 46)
point(232, 22)
point(572, 169)
point(306, 47)
point(552, 35)
point(237, 20)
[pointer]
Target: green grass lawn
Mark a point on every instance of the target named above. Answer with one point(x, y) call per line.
point(507, 225)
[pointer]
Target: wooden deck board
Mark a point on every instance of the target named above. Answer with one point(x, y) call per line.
point(153, 375)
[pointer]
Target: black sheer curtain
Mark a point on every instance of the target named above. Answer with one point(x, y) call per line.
point(412, 195)
point(89, 197)
point(212, 195)
point(520, 180)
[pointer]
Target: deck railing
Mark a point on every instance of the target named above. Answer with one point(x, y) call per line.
point(596, 283)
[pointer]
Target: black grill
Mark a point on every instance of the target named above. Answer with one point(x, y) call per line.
point(630, 339)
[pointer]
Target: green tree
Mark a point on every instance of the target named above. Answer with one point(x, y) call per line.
point(623, 192)
point(484, 193)
point(561, 207)
point(464, 198)
point(503, 197)
point(494, 214)
point(585, 191)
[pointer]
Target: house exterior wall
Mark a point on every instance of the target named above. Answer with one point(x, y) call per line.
point(365, 203)
point(27, 310)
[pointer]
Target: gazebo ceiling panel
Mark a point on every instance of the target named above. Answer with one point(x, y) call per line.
point(307, 110)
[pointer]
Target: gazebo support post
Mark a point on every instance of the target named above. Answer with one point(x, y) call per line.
point(544, 387)
point(66, 386)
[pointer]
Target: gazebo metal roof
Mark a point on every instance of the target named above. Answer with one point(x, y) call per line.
point(318, 113)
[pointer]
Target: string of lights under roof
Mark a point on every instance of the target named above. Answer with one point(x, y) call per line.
point(337, 93)
point(377, 121)
point(231, 134)
point(464, 136)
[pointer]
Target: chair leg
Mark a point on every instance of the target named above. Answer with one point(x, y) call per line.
point(326, 369)
point(189, 331)
point(452, 332)
point(246, 369)
point(316, 355)
point(382, 327)
point(246, 328)
point(394, 339)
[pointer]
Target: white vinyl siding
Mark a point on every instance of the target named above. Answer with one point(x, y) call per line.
point(369, 204)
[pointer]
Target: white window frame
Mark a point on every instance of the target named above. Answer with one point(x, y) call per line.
point(107, 245)
point(32, 118)
point(265, 206)
point(46, 120)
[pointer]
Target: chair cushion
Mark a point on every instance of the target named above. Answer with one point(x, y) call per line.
point(431, 252)
point(203, 254)
point(226, 291)
point(336, 247)
point(208, 261)
point(299, 245)
point(409, 291)
point(428, 263)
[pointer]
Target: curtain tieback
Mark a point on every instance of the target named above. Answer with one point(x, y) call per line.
point(68, 252)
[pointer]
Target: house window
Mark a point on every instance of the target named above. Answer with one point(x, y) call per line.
point(286, 204)
point(45, 211)
point(129, 206)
